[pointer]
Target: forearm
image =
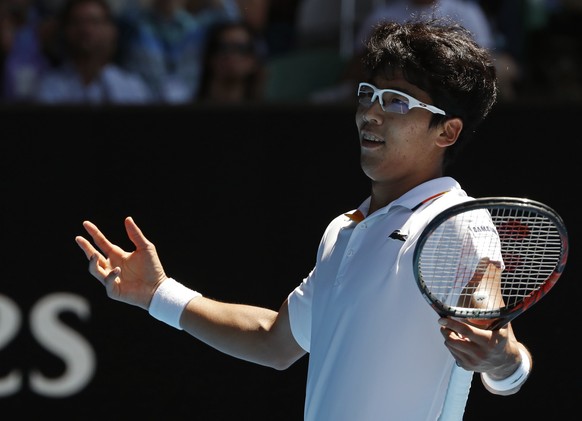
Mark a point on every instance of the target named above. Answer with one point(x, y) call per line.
point(512, 383)
point(250, 333)
point(234, 329)
point(508, 377)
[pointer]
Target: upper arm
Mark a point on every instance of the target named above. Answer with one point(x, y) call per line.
point(283, 340)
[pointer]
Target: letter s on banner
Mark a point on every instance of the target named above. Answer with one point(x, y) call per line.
point(10, 321)
point(64, 342)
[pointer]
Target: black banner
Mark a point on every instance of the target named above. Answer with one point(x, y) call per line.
point(235, 200)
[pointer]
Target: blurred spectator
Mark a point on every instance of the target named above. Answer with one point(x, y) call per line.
point(212, 11)
point(255, 13)
point(50, 10)
point(467, 13)
point(50, 7)
point(87, 73)
point(53, 7)
point(508, 21)
point(124, 7)
point(280, 32)
point(554, 50)
point(329, 23)
point(22, 57)
point(233, 69)
point(271, 21)
point(164, 43)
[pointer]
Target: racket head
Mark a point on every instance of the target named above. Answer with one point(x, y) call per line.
point(529, 236)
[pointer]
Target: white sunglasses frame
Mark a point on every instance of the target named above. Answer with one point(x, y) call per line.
point(412, 102)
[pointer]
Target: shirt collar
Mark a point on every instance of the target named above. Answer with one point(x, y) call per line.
point(413, 199)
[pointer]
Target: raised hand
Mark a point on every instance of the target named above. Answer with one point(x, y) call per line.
point(131, 277)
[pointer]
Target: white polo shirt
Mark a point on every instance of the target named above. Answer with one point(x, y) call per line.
point(375, 349)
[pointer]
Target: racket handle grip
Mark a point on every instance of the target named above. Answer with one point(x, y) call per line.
point(457, 394)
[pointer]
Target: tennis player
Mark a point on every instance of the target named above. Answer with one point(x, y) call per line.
point(376, 349)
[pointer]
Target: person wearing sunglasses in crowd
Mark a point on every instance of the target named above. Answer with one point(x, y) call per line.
point(233, 69)
point(376, 349)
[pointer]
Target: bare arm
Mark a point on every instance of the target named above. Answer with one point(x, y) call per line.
point(476, 348)
point(495, 352)
point(251, 333)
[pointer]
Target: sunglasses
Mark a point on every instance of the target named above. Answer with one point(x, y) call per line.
point(391, 100)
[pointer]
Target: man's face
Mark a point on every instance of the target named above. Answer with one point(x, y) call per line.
point(396, 146)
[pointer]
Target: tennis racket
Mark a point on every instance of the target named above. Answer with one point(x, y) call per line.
point(488, 260)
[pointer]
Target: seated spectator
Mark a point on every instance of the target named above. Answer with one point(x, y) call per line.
point(280, 31)
point(467, 13)
point(328, 23)
point(164, 43)
point(88, 73)
point(233, 69)
point(255, 13)
point(22, 58)
point(53, 7)
point(214, 10)
point(273, 22)
point(554, 52)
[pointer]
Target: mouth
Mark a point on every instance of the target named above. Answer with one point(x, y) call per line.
point(370, 140)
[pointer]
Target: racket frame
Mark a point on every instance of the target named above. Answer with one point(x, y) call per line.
point(500, 317)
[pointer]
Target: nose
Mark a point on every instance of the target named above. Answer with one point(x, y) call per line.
point(374, 113)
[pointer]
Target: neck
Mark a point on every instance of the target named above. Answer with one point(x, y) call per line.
point(385, 192)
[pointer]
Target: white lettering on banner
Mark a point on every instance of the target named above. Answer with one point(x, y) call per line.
point(10, 321)
point(58, 338)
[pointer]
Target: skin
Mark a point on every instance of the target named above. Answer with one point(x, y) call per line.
point(404, 153)
point(92, 40)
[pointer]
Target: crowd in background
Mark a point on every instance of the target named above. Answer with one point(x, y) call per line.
point(223, 51)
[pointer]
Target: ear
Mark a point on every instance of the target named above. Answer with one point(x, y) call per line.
point(451, 129)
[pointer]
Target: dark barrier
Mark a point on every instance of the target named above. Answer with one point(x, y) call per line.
point(235, 200)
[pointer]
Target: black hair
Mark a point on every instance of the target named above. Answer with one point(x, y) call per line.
point(442, 58)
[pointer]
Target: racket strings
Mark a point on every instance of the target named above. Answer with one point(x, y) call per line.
point(531, 247)
point(459, 259)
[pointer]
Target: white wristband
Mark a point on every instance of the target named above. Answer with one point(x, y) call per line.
point(516, 379)
point(169, 302)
